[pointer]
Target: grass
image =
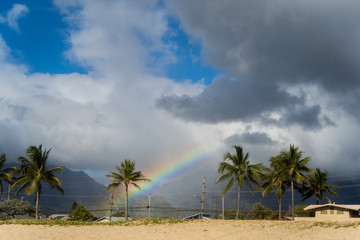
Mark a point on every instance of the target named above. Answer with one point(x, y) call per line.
point(145, 221)
point(155, 221)
point(337, 224)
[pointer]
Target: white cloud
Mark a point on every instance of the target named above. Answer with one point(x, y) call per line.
point(92, 121)
point(13, 15)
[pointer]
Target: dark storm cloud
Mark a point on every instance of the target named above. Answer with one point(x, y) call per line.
point(229, 100)
point(249, 138)
point(271, 44)
point(308, 117)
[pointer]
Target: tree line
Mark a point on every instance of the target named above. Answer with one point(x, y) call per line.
point(33, 171)
point(288, 170)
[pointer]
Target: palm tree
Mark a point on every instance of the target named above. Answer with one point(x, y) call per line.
point(33, 170)
point(237, 169)
point(126, 174)
point(5, 175)
point(10, 179)
point(292, 167)
point(317, 185)
point(274, 180)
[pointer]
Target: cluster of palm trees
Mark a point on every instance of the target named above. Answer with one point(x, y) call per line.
point(32, 172)
point(287, 170)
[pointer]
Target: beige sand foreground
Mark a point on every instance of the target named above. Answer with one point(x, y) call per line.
point(214, 229)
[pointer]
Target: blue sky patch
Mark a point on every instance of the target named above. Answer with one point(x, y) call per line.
point(189, 65)
point(40, 42)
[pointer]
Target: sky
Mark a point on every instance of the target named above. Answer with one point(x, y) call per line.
point(150, 80)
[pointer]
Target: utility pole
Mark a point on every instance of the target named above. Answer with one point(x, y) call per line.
point(223, 211)
point(149, 205)
point(111, 202)
point(216, 213)
point(202, 199)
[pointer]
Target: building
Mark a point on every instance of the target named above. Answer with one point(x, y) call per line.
point(332, 211)
point(62, 217)
point(113, 219)
point(206, 216)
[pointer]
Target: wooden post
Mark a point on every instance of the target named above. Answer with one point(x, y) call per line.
point(149, 205)
point(202, 200)
point(111, 202)
point(223, 211)
point(216, 213)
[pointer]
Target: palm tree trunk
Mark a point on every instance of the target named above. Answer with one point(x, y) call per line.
point(328, 199)
point(279, 209)
point(238, 206)
point(37, 205)
point(292, 199)
point(9, 191)
point(126, 203)
point(8, 198)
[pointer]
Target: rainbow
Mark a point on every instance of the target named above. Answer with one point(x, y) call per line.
point(172, 169)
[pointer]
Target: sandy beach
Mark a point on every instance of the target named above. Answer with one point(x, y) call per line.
point(214, 229)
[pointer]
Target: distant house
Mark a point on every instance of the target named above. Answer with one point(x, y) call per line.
point(334, 211)
point(206, 216)
point(27, 216)
point(113, 219)
point(62, 217)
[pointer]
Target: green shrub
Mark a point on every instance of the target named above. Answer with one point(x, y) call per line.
point(231, 214)
point(261, 212)
point(81, 214)
point(16, 207)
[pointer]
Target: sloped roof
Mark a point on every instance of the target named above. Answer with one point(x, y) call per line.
point(205, 215)
point(346, 206)
point(114, 219)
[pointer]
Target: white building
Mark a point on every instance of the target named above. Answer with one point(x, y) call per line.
point(334, 211)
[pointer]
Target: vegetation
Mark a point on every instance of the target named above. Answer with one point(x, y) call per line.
point(290, 166)
point(275, 180)
point(232, 213)
point(16, 207)
point(261, 212)
point(317, 185)
point(337, 224)
point(145, 221)
point(126, 174)
point(237, 169)
point(300, 212)
point(5, 175)
point(287, 170)
point(81, 214)
point(74, 206)
point(33, 170)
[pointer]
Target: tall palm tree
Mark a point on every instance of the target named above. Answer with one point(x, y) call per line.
point(126, 174)
point(273, 180)
point(237, 169)
point(292, 166)
point(3, 173)
point(317, 185)
point(33, 170)
point(10, 179)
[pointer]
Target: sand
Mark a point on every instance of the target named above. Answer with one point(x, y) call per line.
point(199, 229)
